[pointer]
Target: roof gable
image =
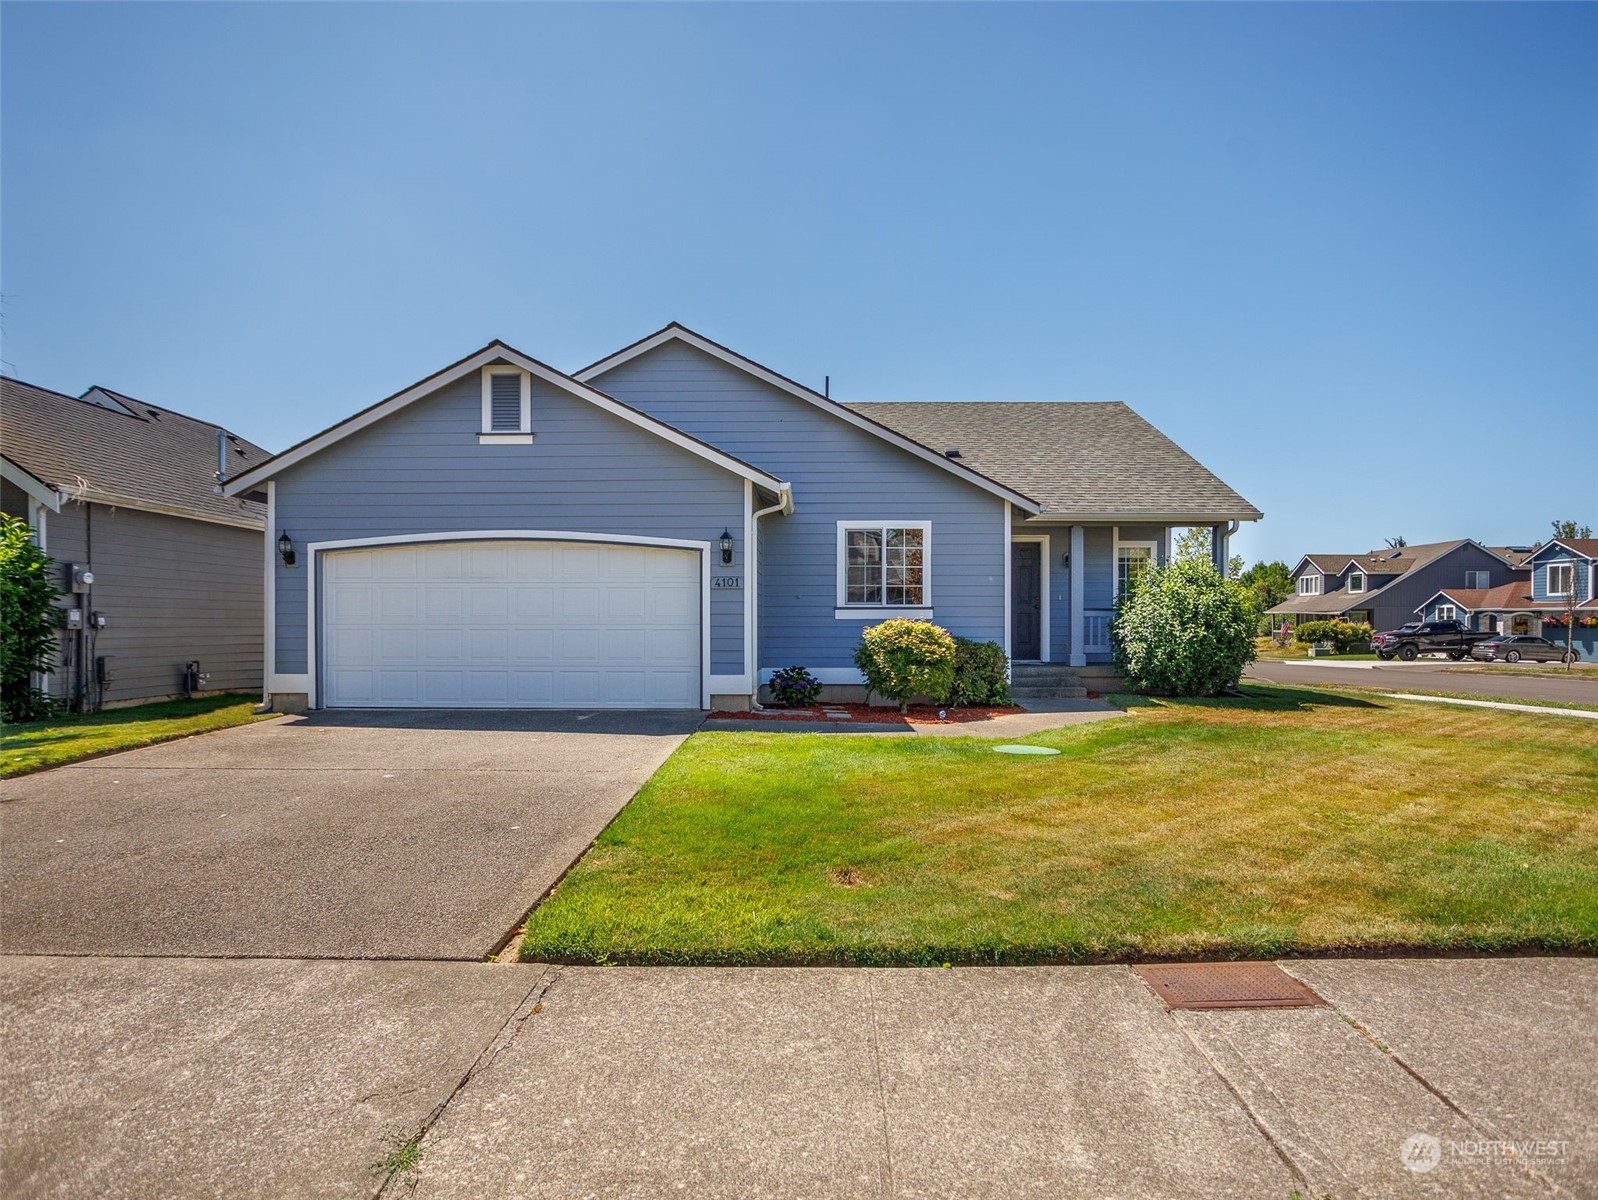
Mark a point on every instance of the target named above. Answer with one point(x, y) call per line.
point(848, 414)
point(1579, 547)
point(500, 352)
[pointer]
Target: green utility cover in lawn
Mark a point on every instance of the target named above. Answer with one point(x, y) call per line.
point(1023, 750)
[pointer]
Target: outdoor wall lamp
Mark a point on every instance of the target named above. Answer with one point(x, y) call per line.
point(285, 549)
point(1065, 559)
point(726, 546)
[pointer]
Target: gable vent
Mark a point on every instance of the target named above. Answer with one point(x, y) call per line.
point(505, 403)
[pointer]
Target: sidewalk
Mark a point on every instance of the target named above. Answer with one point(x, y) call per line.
point(176, 1078)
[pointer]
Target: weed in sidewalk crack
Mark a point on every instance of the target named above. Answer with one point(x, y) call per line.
point(401, 1166)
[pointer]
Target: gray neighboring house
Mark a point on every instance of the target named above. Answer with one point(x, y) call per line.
point(1386, 587)
point(127, 491)
point(666, 527)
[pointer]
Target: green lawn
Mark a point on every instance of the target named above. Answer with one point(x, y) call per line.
point(32, 747)
point(1299, 821)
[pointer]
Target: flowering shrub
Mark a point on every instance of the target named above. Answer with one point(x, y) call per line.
point(902, 658)
point(794, 687)
point(1184, 631)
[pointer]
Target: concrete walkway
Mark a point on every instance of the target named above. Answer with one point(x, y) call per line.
point(1541, 710)
point(174, 1078)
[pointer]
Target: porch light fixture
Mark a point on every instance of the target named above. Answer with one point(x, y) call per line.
point(285, 549)
point(1065, 559)
point(726, 546)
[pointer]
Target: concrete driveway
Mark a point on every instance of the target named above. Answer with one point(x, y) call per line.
point(333, 835)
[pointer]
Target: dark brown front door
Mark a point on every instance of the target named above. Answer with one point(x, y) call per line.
point(1026, 600)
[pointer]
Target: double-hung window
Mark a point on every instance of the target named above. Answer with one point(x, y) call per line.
point(507, 406)
point(1356, 581)
point(1131, 560)
point(884, 565)
point(1561, 578)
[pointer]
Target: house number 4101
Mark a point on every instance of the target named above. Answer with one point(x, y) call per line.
point(727, 581)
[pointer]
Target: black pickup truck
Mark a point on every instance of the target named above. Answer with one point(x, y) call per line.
point(1427, 637)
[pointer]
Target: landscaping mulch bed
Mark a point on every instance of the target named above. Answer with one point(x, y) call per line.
point(919, 714)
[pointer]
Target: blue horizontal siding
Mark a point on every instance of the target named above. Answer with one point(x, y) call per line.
point(839, 473)
point(587, 471)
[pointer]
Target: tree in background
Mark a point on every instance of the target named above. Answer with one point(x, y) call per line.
point(1270, 583)
point(1196, 542)
point(1397, 543)
point(1184, 630)
point(1569, 529)
point(27, 623)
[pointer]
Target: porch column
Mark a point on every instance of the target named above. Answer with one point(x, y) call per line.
point(1078, 658)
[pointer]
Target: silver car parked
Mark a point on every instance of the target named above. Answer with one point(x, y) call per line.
point(1511, 648)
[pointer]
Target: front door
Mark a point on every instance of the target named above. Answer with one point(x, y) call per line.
point(1026, 600)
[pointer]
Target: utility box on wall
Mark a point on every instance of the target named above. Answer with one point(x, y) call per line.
point(80, 577)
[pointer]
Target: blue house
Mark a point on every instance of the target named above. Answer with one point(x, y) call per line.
point(1557, 592)
point(667, 526)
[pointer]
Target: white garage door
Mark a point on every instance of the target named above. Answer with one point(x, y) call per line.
point(511, 625)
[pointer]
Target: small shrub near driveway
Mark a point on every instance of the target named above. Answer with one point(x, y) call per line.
point(1184, 630)
point(902, 658)
point(981, 674)
point(794, 687)
point(1346, 636)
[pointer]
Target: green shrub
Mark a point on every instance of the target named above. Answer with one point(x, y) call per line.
point(981, 674)
point(1184, 631)
point(27, 623)
point(902, 658)
point(794, 687)
point(1346, 636)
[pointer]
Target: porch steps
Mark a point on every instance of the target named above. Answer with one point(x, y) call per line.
point(1044, 681)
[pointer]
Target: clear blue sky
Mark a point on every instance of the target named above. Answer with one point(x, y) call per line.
point(1347, 255)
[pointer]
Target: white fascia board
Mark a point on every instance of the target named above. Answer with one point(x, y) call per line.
point(496, 352)
point(36, 488)
point(1541, 550)
point(849, 416)
point(1184, 520)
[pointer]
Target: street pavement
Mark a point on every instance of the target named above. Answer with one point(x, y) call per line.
point(1436, 675)
point(171, 1078)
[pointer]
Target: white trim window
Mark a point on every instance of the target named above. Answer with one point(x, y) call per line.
point(507, 406)
point(1356, 581)
point(1446, 612)
point(884, 565)
point(1561, 578)
point(1309, 585)
point(1131, 560)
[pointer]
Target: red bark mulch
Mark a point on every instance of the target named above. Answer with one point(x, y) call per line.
point(919, 714)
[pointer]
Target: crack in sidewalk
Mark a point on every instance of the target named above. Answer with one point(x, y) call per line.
point(531, 1003)
point(882, 1087)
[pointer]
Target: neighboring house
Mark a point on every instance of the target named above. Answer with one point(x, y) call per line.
point(1559, 577)
point(126, 492)
point(669, 525)
point(1384, 587)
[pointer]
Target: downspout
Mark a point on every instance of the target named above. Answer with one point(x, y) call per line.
point(784, 506)
point(1224, 547)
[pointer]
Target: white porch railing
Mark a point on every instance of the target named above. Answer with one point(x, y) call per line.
point(1096, 630)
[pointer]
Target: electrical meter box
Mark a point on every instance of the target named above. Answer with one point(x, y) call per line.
point(81, 577)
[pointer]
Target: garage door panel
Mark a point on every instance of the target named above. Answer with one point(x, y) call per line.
point(512, 624)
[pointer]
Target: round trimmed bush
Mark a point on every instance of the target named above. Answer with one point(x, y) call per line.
point(1184, 631)
point(901, 658)
point(981, 674)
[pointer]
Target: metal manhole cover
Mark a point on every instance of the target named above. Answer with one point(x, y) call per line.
point(1226, 985)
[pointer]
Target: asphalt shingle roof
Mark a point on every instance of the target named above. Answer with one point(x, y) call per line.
point(1091, 460)
point(142, 454)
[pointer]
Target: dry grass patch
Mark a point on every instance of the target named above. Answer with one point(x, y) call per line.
point(1295, 821)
